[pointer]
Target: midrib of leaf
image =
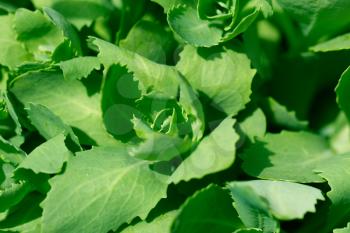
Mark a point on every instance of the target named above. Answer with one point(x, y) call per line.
point(130, 193)
point(110, 190)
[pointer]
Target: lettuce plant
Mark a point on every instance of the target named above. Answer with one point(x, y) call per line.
point(174, 116)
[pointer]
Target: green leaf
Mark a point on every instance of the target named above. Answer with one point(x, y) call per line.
point(318, 18)
point(338, 43)
point(252, 209)
point(39, 35)
point(13, 194)
point(153, 78)
point(254, 125)
point(13, 53)
point(119, 93)
point(48, 124)
point(213, 9)
point(242, 25)
point(68, 30)
point(280, 116)
point(9, 153)
point(68, 100)
point(184, 21)
point(343, 230)
point(89, 10)
point(285, 200)
point(338, 133)
point(151, 40)
point(190, 102)
point(47, 158)
point(11, 111)
point(161, 224)
point(168, 4)
point(249, 230)
point(131, 12)
point(216, 215)
point(6, 170)
point(336, 172)
point(216, 152)
point(229, 91)
point(25, 217)
point(343, 94)
point(157, 146)
point(114, 188)
point(79, 67)
point(245, 15)
point(290, 156)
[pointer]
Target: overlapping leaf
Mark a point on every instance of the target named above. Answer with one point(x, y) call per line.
point(114, 188)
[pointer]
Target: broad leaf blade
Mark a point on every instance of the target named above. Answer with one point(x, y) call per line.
point(184, 21)
point(229, 87)
point(79, 67)
point(114, 188)
point(67, 99)
point(47, 158)
point(154, 78)
point(290, 156)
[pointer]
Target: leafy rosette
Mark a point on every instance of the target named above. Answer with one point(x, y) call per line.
point(149, 105)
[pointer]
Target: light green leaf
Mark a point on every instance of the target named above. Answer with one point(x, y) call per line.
point(79, 67)
point(39, 35)
point(13, 52)
point(185, 22)
point(339, 135)
point(161, 224)
point(48, 124)
point(114, 187)
point(11, 111)
point(7, 179)
point(47, 158)
point(150, 39)
point(215, 153)
point(290, 156)
point(249, 230)
point(279, 115)
point(252, 209)
point(231, 87)
point(68, 100)
point(338, 43)
point(343, 230)
point(254, 125)
point(157, 79)
point(79, 12)
point(216, 215)
point(285, 200)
